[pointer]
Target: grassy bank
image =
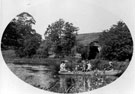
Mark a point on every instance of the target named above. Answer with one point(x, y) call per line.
point(10, 57)
point(54, 63)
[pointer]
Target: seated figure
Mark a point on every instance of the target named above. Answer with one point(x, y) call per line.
point(84, 66)
point(89, 67)
point(63, 66)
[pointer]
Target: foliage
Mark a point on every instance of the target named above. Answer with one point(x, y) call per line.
point(104, 65)
point(89, 51)
point(116, 43)
point(83, 41)
point(62, 36)
point(120, 65)
point(84, 52)
point(43, 50)
point(78, 48)
point(10, 36)
point(20, 35)
point(100, 64)
point(93, 50)
point(30, 45)
point(8, 55)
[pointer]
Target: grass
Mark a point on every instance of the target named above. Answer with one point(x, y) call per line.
point(87, 38)
point(54, 63)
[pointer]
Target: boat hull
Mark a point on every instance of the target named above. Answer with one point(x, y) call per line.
point(111, 73)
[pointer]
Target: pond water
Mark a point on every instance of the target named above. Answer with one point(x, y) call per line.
point(44, 78)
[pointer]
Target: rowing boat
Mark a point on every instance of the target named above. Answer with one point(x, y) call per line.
point(110, 72)
point(76, 72)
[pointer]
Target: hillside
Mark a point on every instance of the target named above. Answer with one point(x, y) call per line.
point(87, 37)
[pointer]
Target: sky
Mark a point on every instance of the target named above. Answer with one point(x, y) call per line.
point(87, 15)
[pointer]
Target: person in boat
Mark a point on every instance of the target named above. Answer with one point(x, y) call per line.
point(84, 65)
point(88, 66)
point(63, 66)
point(110, 63)
point(76, 67)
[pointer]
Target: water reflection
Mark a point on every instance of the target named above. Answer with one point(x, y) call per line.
point(42, 77)
point(78, 83)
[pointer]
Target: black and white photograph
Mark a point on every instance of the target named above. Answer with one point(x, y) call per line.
point(67, 46)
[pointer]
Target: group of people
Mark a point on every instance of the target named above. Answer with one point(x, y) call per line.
point(86, 66)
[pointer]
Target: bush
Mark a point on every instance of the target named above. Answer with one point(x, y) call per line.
point(9, 54)
point(116, 43)
point(120, 65)
point(100, 64)
point(104, 64)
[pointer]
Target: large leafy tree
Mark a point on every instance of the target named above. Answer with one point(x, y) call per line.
point(116, 43)
point(43, 50)
point(31, 44)
point(62, 36)
point(20, 35)
point(10, 36)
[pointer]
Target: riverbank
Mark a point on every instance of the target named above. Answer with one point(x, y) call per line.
point(10, 58)
point(54, 63)
point(43, 73)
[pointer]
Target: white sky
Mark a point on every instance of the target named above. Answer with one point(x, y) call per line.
point(84, 14)
point(88, 15)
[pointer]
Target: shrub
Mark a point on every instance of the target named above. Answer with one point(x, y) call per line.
point(116, 43)
point(100, 64)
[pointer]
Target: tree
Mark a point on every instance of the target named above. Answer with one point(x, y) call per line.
point(43, 50)
point(116, 43)
point(20, 35)
point(84, 52)
point(32, 44)
point(93, 50)
point(10, 36)
point(62, 35)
